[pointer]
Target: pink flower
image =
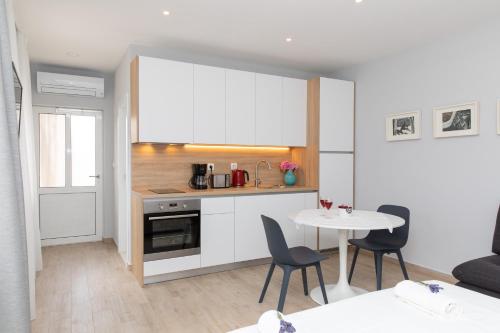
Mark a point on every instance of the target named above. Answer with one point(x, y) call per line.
point(287, 165)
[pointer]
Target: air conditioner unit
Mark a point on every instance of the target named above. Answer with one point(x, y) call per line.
point(53, 83)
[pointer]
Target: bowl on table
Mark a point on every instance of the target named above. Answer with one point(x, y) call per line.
point(345, 210)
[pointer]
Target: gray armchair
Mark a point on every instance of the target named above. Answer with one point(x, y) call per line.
point(483, 274)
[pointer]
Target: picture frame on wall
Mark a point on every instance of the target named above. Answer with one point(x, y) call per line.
point(456, 120)
point(402, 126)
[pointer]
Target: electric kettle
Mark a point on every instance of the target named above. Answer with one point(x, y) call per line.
point(239, 178)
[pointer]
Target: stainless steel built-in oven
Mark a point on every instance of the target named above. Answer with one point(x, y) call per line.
point(171, 228)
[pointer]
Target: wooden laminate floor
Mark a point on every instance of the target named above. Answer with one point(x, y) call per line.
point(86, 288)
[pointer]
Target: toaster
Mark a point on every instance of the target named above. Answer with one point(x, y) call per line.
point(222, 180)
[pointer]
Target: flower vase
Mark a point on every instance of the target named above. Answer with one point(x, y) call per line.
point(290, 179)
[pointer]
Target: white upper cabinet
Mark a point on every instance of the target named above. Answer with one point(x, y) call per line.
point(268, 109)
point(294, 117)
point(178, 102)
point(165, 101)
point(209, 105)
point(240, 107)
point(336, 115)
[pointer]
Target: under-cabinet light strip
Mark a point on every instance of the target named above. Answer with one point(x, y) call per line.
point(189, 146)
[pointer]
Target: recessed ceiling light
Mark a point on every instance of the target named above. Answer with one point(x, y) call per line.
point(288, 39)
point(358, 1)
point(166, 13)
point(72, 54)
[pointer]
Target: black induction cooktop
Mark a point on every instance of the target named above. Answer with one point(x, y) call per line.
point(166, 190)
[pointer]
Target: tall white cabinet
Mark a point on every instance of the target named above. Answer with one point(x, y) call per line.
point(336, 145)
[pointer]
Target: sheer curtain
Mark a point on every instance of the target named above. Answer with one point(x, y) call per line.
point(29, 171)
point(14, 286)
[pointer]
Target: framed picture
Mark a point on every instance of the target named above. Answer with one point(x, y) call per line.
point(456, 120)
point(402, 126)
point(498, 116)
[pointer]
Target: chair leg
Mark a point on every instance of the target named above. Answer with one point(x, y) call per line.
point(402, 264)
point(321, 282)
point(356, 252)
point(287, 270)
point(304, 281)
point(378, 268)
point(266, 284)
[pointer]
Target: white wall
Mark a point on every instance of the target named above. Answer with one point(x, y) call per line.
point(451, 185)
point(106, 105)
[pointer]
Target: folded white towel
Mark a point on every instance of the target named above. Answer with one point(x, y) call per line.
point(269, 322)
point(421, 296)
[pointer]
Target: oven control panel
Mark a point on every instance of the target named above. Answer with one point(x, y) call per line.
point(162, 205)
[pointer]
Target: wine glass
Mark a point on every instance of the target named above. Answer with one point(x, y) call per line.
point(328, 204)
point(322, 202)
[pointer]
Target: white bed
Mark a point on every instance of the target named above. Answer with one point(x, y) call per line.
point(383, 312)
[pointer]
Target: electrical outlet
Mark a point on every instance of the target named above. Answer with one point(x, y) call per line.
point(211, 167)
point(234, 165)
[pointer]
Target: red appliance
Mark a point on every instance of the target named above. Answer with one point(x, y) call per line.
point(239, 178)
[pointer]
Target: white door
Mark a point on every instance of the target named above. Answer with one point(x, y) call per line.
point(70, 174)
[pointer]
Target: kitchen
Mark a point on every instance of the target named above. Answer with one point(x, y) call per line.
point(231, 130)
point(167, 163)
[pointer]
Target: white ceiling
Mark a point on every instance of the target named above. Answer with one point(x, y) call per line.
point(327, 34)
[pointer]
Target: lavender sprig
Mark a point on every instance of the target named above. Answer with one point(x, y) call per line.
point(285, 326)
point(433, 287)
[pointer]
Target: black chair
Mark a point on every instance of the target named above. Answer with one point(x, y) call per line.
point(482, 274)
point(299, 257)
point(381, 242)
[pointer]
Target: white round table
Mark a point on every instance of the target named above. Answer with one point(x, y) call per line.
point(358, 220)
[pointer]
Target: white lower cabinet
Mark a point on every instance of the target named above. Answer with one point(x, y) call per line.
point(310, 233)
point(250, 239)
point(217, 239)
point(232, 230)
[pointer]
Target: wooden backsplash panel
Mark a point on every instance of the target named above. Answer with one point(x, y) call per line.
point(160, 165)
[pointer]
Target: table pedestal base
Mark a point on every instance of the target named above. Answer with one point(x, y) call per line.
point(335, 293)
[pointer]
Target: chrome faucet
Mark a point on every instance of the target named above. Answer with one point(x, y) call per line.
point(257, 179)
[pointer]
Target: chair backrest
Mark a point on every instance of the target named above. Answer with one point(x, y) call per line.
point(496, 235)
point(276, 242)
point(399, 236)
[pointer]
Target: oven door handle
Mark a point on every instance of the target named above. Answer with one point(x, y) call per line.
point(171, 217)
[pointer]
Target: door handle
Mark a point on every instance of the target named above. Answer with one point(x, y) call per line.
point(170, 217)
point(96, 176)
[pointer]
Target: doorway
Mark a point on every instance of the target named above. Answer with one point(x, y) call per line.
point(69, 155)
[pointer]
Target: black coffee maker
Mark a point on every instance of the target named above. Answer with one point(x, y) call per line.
point(199, 180)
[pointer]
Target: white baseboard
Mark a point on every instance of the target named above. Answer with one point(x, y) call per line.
point(70, 240)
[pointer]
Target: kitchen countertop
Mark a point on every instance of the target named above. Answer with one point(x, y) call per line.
point(231, 191)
